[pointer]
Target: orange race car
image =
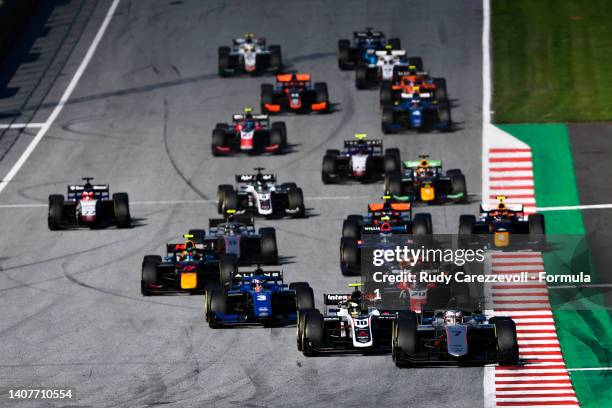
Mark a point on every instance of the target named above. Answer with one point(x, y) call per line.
point(294, 93)
point(408, 84)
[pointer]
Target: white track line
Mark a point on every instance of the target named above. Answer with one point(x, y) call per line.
point(21, 125)
point(576, 207)
point(62, 102)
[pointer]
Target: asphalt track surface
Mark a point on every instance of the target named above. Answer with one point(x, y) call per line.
point(140, 119)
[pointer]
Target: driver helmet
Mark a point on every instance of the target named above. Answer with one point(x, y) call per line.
point(453, 317)
point(248, 38)
point(256, 283)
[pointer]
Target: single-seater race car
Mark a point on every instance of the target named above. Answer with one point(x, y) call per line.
point(361, 159)
point(88, 205)
point(249, 55)
point(235, 235)
point(453, 336)
point(187, 267)
point(418, 111)
point(424, 180)
point(344, 327)
point(411, 82)
point(504, 226)
point(388, 62)
point(259, 194)
point(389, 217)
point(258, 297)
point(249, 133)
point(359, 51)
point(294, 93)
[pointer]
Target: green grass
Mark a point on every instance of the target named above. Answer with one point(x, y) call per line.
point(552, 60)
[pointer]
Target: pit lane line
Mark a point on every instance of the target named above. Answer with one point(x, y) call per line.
point(63, 100)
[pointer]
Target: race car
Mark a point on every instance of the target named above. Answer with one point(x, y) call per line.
point(388, 62)
point(411, 82)
point(259, 297)
point(249, 133)
point(249, 55)
point(453, 336)
point(344, 327)
point(258, 194)
point(389, 217)
point(351, 55)
point(416, 111)
point(294, 93)
point(235, 235)
point(88, 205)
point(502, 225)
point(361, 159)
point(424, 180)
point(187, 267)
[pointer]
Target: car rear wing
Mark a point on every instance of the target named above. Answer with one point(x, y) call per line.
point(332, 299)
point(173, 249)
point(267, 276)
point(366, 142)
point(395, 53)
point(283, 78)
point(486, 208)
point(409, 70)
point(101, 191)
point(385, 228)
point(260, 117)
point(366, 34)
point(246, 178)
point(413, 164)
point(240, 219)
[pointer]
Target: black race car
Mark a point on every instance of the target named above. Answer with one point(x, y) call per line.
point(259, 194)
point(294, 93)
point(424, 180)
point(249, 133)
point(187, 267)
point(361, 159)
point(364, 45)
point(503, 226)
point(249, 55)
point(388, 217)
point(88, 205)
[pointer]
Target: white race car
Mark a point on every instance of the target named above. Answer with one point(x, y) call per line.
point(249, 55)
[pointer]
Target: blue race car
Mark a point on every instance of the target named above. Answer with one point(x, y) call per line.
point(258, 297)
point(362, 50)
point(416, 111)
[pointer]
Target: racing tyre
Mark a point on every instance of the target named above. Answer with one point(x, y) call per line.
point(344, 54)
point(440, 94)
point(276, 59)
point(393, 184)
point(150, 273)
point(507, 345)
point(332, 152)
point(452, 172)
point(267, 96)
point(404, 341)
point(349, 256)
point(304, 298)
point(282, 127)
point(387, 120)
point(361, 77)
point(276, 138)
point(269, 250)
point(417, 62)
point(218, 140)
point(230, 200)
point(295, 197)
point(56, 211)
point(221, 191)
point(458, 186)
point(121, 205)
point(386, 93)
point(216, 300)
point(295, 285)
point(393, 162)
point(328, 170)
point(313, 332)
point(351, 228)
point(321, 94)
point(301, 314)
point(444, 117)
point(288, 186)
point(537, 229)
point(466, 228)
point(224, 61)
point(228, 267)
point(395, 43)
point(422, 224)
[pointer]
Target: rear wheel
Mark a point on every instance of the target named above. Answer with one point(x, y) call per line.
point(267, 96)
point(444, 117)
point(440, 94)
point(386, 93)
point(351, 228)
point(228, 267)
point(218, 140)
point(393, 163)
point(230, 200)
point(393, 184)
point(121, 206)
point(276, 138)
point(328, 170)
point(221, 191)
point(150, 274)
point(344, 54)
point(387, 119)
point(313, 332)
point(466, 229)
point(349, 256)
point(216, 303)
point(56, 211)
point(421, 224)
point(361, 77)
point(282, 128)
point(459, 187)
point(295, 197)
point(321, 94)
point(304, 298)
point(224, 61)
point(301, 315)
point(507, 344)
point(269, 250)
point(276, 59)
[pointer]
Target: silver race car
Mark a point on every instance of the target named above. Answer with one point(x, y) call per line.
point(259, 194)
point(249, 55)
